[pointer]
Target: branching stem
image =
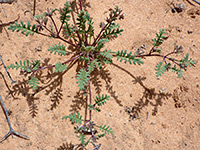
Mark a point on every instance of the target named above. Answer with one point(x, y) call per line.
point(97, 38)
point(62, 63)
point(54, 25)
point(163, 56)
point(80, 5)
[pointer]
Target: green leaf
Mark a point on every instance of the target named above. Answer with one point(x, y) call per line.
point(74, 118)
point(91, 107)
point(26, 30)
point(158, 50)
point(100, 135)
point(112, 31)
point(161, 68)
point(93, 64)
point(83, 78)
point(101, 43)
point(178, 71)
point(97, 109)
point(36, 65)
point(124, 56)
point(64, 11)
point(107, 56)
point(85, 23)
point(186, 61)
point(69, 31)
point(25, 65)
point(82, 139)
point(60, 49)
point(159, 38)
point(33, 82)
point(106, 129)
point(101, 100)
point(60, 67)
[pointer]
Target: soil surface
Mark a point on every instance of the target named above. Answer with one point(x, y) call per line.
point(145, 112)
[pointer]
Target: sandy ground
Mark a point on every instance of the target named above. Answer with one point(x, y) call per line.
point(166, 109)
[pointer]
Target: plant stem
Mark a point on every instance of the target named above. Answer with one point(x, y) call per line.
point(80, 5)
point(90, 97)
point(54, 25)
point(57, 36)
point(43, 34)
point(163, 56)
point(77, 46)
point(76, 28)
point(54, 65)
point(95, 41)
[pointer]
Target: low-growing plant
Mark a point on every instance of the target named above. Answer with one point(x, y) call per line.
point(89, 50)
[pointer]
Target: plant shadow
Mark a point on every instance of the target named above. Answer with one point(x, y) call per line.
point(149, 97)
point(68, 146)
point(51, 83)
point(81, 98)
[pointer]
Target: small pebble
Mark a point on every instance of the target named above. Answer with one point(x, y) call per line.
point(178, 29)
point(189, 32)
point(153, 123)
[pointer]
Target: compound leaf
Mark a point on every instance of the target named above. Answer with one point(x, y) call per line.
point(186, 61)
point(159, 38)
point(64, 11)
point(107, 56)
point(101, 100)
point(101, 43)
point(60, 49)
point(82, 139)
point(84, 17)
point(60, 67)
point(106, 129)
point(83, 78)
point(24, 66)
point(161, 68)
point(74, 118)
point(112, 31)
point(26, 30)
point(178, 71)
point(93, 64)
point(123, 55)
point(33, 82)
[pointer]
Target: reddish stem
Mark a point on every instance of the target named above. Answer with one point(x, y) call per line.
point(54, 65)
point(80, 5)
point(54, 25)
point(90, 97)
point(59, 37)
point(93, 44)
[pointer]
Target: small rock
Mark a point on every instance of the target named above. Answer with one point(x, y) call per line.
point(178, 29)
point(153, 123)
point(38, 49)
point(189, 32)
point(178, 8)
